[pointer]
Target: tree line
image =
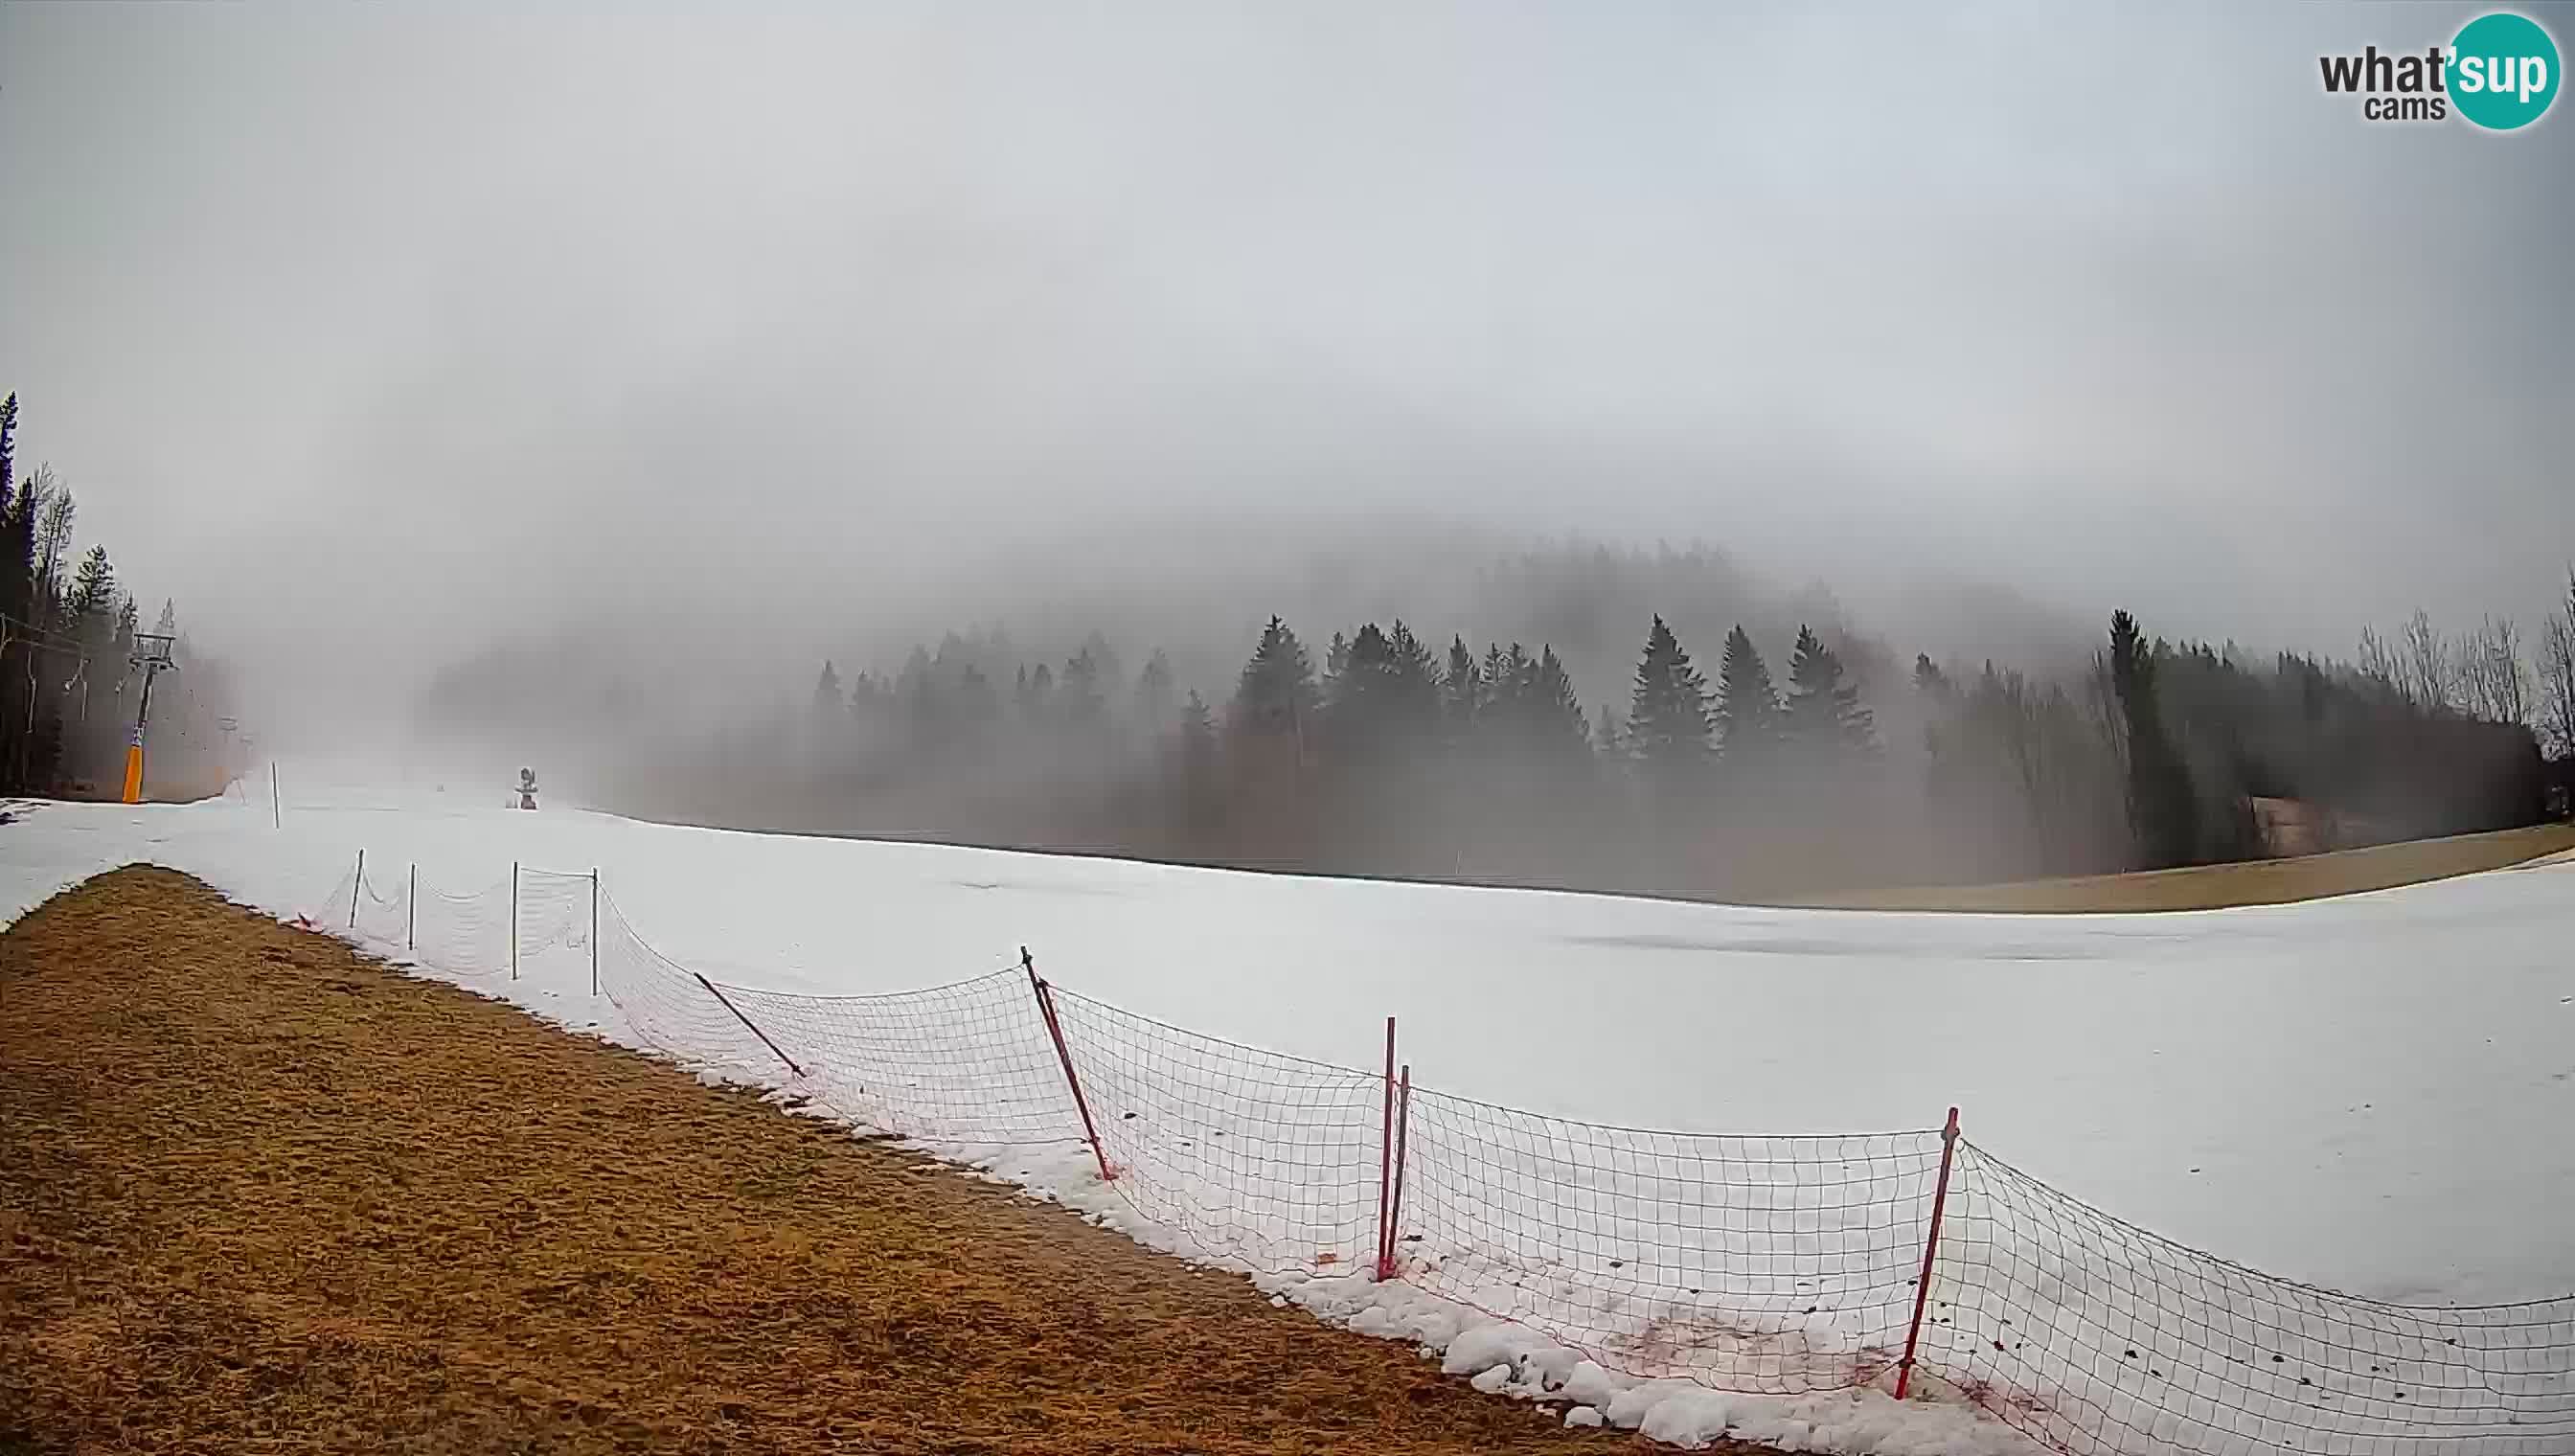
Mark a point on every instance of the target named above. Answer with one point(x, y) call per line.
point(68, 688)
point(1386, 753)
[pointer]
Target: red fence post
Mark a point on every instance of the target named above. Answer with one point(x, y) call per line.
point(1055, 1032)
point(1930, 1248)
point(1386, 1143)
point(1392, 1233)
point(747, 1022)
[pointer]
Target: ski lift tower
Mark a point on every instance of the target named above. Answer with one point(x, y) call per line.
point(152, 656)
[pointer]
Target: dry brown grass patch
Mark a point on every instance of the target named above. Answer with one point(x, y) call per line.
point(258, 1194)
point(2214, 886)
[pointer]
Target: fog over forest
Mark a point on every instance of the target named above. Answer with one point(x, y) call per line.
point(569, 389)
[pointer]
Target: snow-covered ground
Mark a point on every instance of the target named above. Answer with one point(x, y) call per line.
point(2367, 1094)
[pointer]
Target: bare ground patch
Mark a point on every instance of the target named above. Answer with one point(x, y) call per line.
point(259, 1194)
point(2216, 886)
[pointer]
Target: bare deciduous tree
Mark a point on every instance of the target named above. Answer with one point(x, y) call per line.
point(2379, 663)
point(2557, 671)
point(2427, 665)
point(2488, 674)
point(53, 538)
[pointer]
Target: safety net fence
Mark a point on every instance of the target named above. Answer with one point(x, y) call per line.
point(1775, 1264)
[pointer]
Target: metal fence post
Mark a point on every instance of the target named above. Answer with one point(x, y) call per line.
point(1930, 1251)
point(747, 1022)
point(1064, 1054)
point(1385, 1150)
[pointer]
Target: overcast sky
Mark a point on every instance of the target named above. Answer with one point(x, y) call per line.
point(401, 325)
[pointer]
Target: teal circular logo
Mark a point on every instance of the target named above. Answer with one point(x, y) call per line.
point(2503, 71)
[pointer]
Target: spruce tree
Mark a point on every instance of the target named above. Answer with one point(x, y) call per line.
point(1412, 682)
point(1201, 790)
point(827, 715)
point(1276, 692)
point(1107, 670)
point(2162, 812)
point(1669, 723)
point(1353, 694)
point(93, 600)
point(1824, 716)
point(922, 703)
point(18, 550)
point(1462, 692)
point(1153, 694)
point(1748, 715)
point(1077, 697)
point(1385, 703)
point(1558, 732)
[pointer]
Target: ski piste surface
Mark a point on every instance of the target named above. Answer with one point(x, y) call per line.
point(2360, 1092)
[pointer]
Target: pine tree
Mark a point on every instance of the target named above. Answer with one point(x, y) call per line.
point(2162, 812)
point(1078, 700)
point(1276, 694)
point(1748, 715)
point(827, 693)
point(1201, 789)
point(1107, 670)
point(1669, 723)
point(1415, 678)
point(921, 705)
point(1358, 674)
point(18, 552)
point(1153, 694)
point(93, 599)
point(1824, 716)
point(1462, 692)
point(1558, 732)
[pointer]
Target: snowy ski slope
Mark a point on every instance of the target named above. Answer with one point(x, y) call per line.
point(2367, 1094)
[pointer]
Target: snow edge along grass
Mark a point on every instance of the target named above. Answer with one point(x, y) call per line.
point(1496, 1356)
